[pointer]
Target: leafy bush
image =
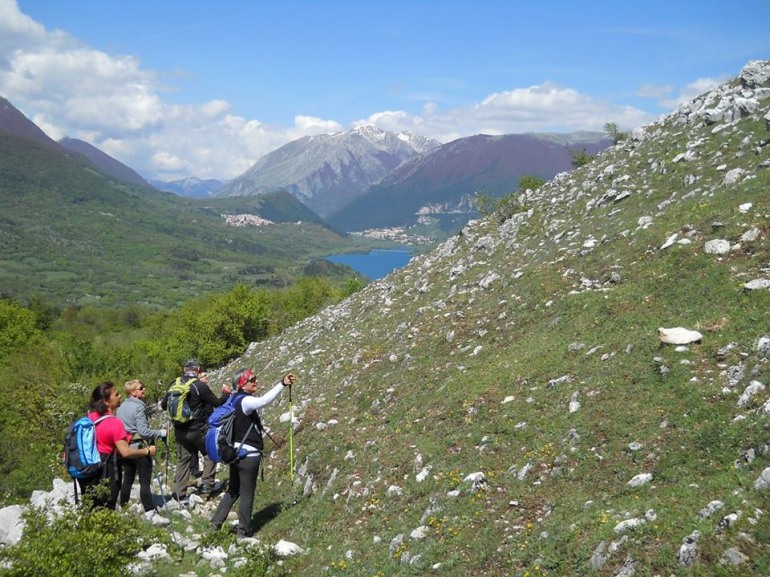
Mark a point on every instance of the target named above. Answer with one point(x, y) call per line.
point(81, 543)
point(580, 157)
point(501, 209)
point(260, 561)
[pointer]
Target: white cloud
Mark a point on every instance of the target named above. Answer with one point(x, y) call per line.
point(69, 89)
point(690, 91)
point(666, 98)
point(308, 125)
point(542, 108)
point(656, 91)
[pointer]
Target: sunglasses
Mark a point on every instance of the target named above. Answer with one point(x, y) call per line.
point(140, 388)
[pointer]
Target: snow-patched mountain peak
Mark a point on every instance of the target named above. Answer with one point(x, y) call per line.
point(327, 171)
point(383, 138)
point(420, 143)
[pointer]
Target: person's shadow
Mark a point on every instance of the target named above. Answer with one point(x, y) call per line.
point(264, 516)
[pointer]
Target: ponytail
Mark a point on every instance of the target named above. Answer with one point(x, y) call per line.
point(99, 397)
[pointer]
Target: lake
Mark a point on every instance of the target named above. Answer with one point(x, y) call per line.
point(373, 264)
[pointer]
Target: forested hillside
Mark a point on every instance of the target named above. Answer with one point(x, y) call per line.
point(71, 235)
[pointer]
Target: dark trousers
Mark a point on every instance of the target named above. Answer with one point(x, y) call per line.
point(191, 440)
point(243, 484)
point(143, 467)
point(103, 490)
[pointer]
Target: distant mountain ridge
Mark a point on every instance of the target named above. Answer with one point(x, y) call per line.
point(13, 121)
point(440, 183)
point(328, 171)
point(89, 230)
point(103, 161)
point(191, 187)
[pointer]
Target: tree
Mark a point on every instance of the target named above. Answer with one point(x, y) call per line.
point(17, 326)
point(218, 327)
point(615, 133)
point(580, 157)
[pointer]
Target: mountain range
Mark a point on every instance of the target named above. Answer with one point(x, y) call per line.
point(439, 185)
point(365, 178)
point(368, 178)
point(327, 171)
point(191, 187)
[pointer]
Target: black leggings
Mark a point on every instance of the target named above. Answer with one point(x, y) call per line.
point(110, 481)
point(242, 484)
point(142, 466)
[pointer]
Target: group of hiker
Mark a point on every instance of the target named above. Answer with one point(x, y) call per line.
point(124, 444)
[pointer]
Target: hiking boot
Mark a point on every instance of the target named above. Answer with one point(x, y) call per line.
point(208, 489)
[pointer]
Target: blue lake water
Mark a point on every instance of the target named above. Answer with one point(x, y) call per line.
point(373, 264)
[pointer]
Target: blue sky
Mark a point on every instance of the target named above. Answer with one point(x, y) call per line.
point(204, 88)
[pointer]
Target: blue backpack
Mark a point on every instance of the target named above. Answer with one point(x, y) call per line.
point(220, 445)
point(80, 456)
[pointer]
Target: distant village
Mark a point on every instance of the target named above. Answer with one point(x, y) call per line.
point(396, 234)
point(246, 220)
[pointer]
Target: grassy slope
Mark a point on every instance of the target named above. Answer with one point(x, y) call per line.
point(72, 235)
point(434, 367)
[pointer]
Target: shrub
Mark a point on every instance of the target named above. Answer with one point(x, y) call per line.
point(80, 543)
point(580, 157)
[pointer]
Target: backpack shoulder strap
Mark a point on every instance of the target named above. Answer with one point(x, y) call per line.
point(192, 382)
point(100, 419)
point(255, 420)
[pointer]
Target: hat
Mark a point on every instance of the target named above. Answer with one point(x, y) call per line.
point(192, 365)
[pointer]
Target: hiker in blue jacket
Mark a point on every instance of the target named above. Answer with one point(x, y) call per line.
point(243, 472)
point(133, 413)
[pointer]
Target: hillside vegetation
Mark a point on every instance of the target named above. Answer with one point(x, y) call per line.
point(71, 235)
point(490, 408)
point(504, 405)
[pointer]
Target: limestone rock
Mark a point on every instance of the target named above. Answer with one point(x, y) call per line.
point(678, 336)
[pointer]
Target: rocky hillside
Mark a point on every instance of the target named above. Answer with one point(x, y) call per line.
point(505, 404)
point(576, 387)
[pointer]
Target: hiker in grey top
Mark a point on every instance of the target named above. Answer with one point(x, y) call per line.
point(133, 413)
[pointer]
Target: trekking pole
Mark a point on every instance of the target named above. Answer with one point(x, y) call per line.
point(291, 437)
point(269, 436)
point(165, 441)
point(171, 529)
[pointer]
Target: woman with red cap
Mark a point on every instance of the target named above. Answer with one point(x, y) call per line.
point(246, 427)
